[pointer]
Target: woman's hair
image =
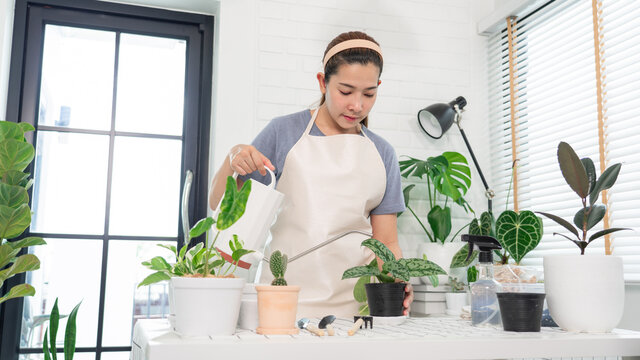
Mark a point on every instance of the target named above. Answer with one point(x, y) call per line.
point(361, 56)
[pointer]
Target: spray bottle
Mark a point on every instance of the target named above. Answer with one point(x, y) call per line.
point(485, 310)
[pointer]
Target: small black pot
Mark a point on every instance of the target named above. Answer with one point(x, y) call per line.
point(385, 299)
point(521, 312)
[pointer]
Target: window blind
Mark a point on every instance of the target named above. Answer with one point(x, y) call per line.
point(556, 100)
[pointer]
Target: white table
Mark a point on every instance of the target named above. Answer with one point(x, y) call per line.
point(430, 337)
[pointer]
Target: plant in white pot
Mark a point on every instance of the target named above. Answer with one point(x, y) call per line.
point(206, 294)
point(278, 302)
point(447, 176)
point(456, 297)
point(584, 292)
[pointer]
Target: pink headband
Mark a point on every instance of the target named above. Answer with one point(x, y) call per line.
point(350, 44)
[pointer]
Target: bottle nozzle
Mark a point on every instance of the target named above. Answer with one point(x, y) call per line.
point(485, 244)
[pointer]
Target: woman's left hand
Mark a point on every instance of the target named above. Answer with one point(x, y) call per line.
point(408, 299)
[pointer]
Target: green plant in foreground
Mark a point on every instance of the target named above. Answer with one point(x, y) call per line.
point(278, 266)
point(50, 335)
point(580, 174)
point(15, 215)
point(205, 260)
point(456, 286)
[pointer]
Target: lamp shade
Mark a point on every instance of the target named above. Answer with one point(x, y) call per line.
point(436, 119)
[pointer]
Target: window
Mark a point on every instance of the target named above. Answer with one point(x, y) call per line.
point(552, 90)
point(119, 98)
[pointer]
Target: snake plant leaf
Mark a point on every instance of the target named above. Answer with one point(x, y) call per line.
point(54, 318)
point(440, 221)
point(154, 278)
point(13, 222)
point(518, 233)
point(591, 172)
point(572, 170)
point(70, 334)
point(13, 195)
point(606, 181)
point(17, 291)
point(15, 155)
point(359, 291)
point(380, 249)
point(460, 258)
point(595, 214)
point(359, 271)
point(26, 242)
point(233, 204)
point(201, 227)
point(420, 267)
point(567, 225)
point(604, 232)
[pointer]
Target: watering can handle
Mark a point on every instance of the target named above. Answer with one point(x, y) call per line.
point(186, 191)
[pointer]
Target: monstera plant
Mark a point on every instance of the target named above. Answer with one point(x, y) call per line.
point(448, 175)
point(15, 215)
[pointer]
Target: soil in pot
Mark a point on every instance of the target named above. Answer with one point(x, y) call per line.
point(385, 299)
point(521, 312)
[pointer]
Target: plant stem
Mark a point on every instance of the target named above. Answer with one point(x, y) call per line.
point(513, 169)
point(456, 234)
point(421, 224)
point(207, 253)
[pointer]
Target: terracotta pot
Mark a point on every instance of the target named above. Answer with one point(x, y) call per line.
point(277, 308)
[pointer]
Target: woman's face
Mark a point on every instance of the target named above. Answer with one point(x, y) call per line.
point(350, 94)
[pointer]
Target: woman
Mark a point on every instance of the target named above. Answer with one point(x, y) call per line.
point(336, 175)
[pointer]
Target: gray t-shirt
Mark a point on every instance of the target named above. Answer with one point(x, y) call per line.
point(279, 136)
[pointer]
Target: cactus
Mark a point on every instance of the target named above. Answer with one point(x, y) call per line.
point(278, 266)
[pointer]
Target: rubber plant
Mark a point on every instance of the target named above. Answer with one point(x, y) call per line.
point(580, 175)
point(203, 260)
point(392, 270)
point(447, 174)
point(51, 334)
point(15, 215)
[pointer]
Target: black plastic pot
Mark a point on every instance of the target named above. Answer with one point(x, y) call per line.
point(385, 299)
point(521, 312)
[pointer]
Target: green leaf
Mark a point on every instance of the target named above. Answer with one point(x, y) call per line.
point(26, 127)
point(239, 253)
point(406, 195)
point(11, 130)
point(449, 172)
point(572, 169)
point(591, 172)
point(472, 274)
point(158, 263)
point(154, 278)
point(171, 248)
point(485, 227)
point(26, 242)
point(183, 251)
point(45, 345)
point(13, 222)
point(396, 269)
point(15, 177)
point(562, 222)
point(606, 181)
point(23, 263)
point(7, 253)
point(53, 326)
point(359, 291)
point(201, 227)
point(595, 214)
point(359, 271)
point(233, 203)
point(518, 233)
point(13, 196)
point(440, 222)
point(17, 291)
point(363, 309)
point(460, 258)
point(420, 267)
point(380, 249)
point(70, 334)
point(434, 280)
point(15, 155)
point(602, 233)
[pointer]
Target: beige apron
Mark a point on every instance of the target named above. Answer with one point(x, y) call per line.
point(331, 183)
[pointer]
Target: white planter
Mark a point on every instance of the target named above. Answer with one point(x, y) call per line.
point(248, 318)
point(206, 306)
point(440, 254)
point(455, 302)
point(585, 293)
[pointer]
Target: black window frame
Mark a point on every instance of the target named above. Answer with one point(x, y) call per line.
point(22, 103)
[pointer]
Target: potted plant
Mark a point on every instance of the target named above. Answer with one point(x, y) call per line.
point(590, 296)
point(456, 297)
point(206, 294)
point(385, 297)
point(278, 302)
point(50, 335)
point(15, 215)
point(448, 178)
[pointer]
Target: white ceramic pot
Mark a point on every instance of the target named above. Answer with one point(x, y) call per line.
point(585, 293)
point(455, 302)
point(248, 318)
point(440, 254)
point(206, 306)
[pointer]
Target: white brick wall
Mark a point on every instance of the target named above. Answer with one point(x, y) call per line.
point(432, 54)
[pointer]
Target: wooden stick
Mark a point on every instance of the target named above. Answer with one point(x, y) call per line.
point(315, 330)
point(356, 326)
point(330, 330)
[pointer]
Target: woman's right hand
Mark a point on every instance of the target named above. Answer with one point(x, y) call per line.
point(245, 159)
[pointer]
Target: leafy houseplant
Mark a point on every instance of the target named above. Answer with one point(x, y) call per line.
point(49, 345)
point(278, 303)
point(15, 215)
point(389, 302)
point(580, 174)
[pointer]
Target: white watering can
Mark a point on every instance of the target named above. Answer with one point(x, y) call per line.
point(253, 227)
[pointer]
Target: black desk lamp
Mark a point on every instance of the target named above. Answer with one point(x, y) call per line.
point(436, 119)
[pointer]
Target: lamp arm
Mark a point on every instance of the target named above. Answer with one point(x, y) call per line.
point(488, 192)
